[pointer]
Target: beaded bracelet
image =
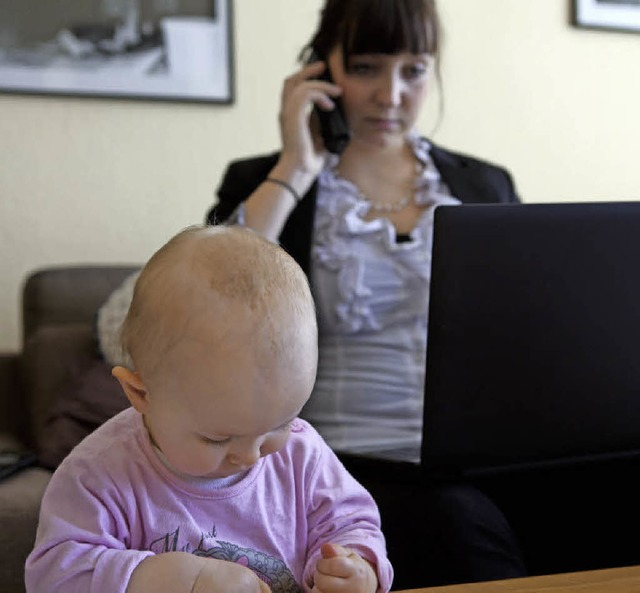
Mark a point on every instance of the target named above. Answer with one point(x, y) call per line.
point(284, 184)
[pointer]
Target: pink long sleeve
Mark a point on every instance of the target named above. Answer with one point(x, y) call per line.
point(112, 503)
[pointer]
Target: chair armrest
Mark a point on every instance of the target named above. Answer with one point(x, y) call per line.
point(13, 410)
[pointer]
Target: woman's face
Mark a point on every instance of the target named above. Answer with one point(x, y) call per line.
point(382, 94)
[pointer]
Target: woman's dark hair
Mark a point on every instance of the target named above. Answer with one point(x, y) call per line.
point(375, 26)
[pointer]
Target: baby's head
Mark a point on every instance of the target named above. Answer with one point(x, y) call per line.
point(223, 339)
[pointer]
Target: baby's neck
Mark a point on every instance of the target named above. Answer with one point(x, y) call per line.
point(197, 480)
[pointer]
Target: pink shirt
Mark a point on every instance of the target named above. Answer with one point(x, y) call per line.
point(112, 502)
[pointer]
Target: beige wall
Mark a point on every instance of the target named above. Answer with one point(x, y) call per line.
point(90, 180)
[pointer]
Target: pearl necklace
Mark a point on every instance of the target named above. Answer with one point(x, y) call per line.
point(384, 206)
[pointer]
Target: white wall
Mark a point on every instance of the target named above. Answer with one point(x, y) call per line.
point(92, 180)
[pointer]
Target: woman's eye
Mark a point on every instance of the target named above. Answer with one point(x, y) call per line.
point(361, 68)
point(415, 71)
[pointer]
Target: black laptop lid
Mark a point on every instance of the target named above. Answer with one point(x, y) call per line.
point(533, 354)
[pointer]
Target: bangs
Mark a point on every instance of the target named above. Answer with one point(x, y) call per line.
point(390, 27)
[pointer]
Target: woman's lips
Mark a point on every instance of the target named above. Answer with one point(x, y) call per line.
point(385, 123)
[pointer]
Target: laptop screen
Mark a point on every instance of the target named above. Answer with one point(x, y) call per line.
point(533, 355)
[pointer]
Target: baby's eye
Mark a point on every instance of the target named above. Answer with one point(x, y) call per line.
point(215, 442)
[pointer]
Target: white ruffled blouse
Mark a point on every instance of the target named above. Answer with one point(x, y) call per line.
point(372, 297)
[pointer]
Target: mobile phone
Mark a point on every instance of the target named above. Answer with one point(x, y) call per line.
point(333, 124)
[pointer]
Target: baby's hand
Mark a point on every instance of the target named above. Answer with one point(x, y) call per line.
point(342, 570)
point(222, 576)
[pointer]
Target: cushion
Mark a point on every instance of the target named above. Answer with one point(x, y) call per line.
point(109, 321)
point(91, 396)
point(49, 354)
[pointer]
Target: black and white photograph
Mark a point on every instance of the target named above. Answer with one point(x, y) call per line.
point(141, 49)
point(621, 15)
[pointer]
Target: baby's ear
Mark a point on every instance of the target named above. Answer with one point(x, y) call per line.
point(133, 388)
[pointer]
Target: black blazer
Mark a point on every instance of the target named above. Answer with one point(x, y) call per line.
point(470, 180)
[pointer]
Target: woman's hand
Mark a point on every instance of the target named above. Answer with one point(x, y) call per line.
point(342, 570)
point(302, 156)
point(302, 147)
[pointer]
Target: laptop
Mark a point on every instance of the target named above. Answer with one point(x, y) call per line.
point(533, 354)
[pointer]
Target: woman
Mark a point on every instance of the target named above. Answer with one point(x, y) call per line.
point(359, 223)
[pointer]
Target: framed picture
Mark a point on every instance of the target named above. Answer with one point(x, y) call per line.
point(623, 15)
point(176, 50)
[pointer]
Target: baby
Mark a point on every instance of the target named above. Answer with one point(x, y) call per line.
point(210, 483)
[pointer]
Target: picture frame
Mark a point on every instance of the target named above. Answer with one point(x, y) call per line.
point(172, 50)
point(613, 15)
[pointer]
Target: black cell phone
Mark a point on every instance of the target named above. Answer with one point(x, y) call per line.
point(333, 124)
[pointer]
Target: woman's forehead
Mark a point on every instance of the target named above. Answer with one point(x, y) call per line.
point(390, 32)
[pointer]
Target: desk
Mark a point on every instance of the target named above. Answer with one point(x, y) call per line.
point(610, 580)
